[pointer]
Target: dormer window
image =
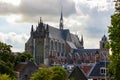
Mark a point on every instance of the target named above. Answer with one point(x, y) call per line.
point(102, 70)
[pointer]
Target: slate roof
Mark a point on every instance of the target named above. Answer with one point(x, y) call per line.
point(96, 70)
point(55, 33)
point(22, 65)
point(75, 39)
point(77, 74)
point(65, 33)
point(71, 45)
point(88, 51)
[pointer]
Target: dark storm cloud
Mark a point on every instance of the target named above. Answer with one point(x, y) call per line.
point(6, 9)
point(34, 8)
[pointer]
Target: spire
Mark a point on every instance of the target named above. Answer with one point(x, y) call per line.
point(61, 18)
point(117, 6)
point(32, 30)
point(82, 40)
point(61, 21)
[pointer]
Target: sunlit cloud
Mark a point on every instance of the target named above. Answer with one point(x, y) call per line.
point(17, 41)
point(101, 5)
point(13, 18)
point(13, 2)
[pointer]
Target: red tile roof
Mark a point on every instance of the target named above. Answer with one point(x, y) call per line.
point(20, 67)
point(86, 69)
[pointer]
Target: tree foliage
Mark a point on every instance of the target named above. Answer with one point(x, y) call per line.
point(53, 73)
point(114, 37)
point(5, 53)
point(58, 73)
point(41, 74)
point(7, 60)
point(5, 69)
point(6, 77)
point(22, 57)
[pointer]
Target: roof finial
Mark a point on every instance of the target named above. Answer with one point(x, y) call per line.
point(40, 19)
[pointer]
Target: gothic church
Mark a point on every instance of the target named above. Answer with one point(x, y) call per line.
point(50, 45)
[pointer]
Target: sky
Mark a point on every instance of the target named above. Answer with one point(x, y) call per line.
point(89, 18)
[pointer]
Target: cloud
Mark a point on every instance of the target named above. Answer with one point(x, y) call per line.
point(31, 10)
point(97, 20)
point(13, 2)
point(102, 5)
point(16, 40)
point(89, 18)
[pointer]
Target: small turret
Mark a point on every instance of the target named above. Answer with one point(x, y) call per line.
point(47, 30)
point(41, 21)
point(103, 42)
point(40, 25)
point(32, 30)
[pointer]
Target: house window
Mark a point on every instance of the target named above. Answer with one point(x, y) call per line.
point(56, 46)
point(51, 45)
point(102, 70)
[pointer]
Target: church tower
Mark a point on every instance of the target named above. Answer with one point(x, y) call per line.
point(117, 5)
point(61, 21)
point(103, 42)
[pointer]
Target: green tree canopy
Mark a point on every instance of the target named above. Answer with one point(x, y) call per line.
point(6, 54)
point(53, 73)
point(41, 74)
point(58, 73)
point(6, 77)
point(22, 57)
point(5, 69)
point(7, 60)
point(114, 37)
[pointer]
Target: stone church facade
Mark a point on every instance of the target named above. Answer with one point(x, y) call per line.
point(50, 45)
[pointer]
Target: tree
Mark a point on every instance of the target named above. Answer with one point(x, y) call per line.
point(6, 54)
point(58, 73)
point(6, 77)
point(114, 37)
point(26, 56)
point(53, 73)
point(5, 69)
point(41, 74)
point(22, 57)
point(7, 60)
